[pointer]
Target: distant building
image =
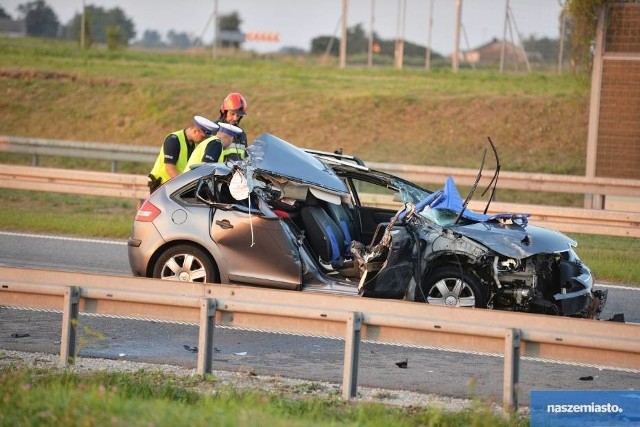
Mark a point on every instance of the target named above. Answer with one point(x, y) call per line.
point(11, 28)
point(490, 53)
point(231, 38)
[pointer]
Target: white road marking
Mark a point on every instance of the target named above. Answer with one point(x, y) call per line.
point(69, 239)
point(628, 288)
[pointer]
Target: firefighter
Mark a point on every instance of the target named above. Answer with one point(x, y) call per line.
point(232, 110)
point(176, 150)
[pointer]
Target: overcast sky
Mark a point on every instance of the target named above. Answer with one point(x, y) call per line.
point(299, 21)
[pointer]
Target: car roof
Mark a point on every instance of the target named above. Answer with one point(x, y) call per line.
point(336, 155)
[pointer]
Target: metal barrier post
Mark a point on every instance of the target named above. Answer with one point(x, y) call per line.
point(205, 338)
point(511, 369)
point(351, 355)
point(69, 326)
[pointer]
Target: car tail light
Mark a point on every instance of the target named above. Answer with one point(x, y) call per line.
point(147, 212)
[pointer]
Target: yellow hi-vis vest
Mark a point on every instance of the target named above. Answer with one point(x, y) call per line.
point(198, 154)
point(233, 152)
point(159, 170)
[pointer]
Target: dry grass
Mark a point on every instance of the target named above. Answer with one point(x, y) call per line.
point(538, 122)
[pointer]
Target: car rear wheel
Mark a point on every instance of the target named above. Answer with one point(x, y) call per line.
point(185, 263)
point(452, 286)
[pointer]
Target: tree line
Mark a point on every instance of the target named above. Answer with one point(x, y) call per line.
point(115, 29)
point(107, 26)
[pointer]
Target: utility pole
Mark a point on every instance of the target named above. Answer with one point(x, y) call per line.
point(563, 30)
point(343, 39)
point(427, 58)
point(399, 51)
point(504, 36)
point(370, 48)
point(216, 30)
point(82, 26)
point(456, 47)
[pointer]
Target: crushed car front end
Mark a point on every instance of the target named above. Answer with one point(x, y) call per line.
point(522, 267)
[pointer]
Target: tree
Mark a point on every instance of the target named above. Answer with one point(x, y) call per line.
point(40, 19)
point(4, 14)
point(179, 40)
point(151, 38)
point(546, 48)
point(583, 19)
point(320, 44)
point(114, 38)
point(230, 22)
point(358, 42)
point(101, 20)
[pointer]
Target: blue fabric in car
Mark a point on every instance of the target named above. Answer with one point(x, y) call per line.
point(341, 216)
point(322, 233)
point(345, 230)
point(333, 241)
point(449, 198)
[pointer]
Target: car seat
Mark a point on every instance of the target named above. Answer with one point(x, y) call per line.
point(323, 234)
point(342, 217)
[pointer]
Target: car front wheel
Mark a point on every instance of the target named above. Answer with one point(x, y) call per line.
point(452, 287)
point(185, 263)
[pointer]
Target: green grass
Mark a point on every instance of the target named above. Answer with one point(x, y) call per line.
point(40, 212)
point(610, 258)
point(150, 398)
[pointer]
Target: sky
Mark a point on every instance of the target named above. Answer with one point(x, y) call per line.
point(299, 21)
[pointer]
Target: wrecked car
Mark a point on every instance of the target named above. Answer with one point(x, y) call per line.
point(315, 221)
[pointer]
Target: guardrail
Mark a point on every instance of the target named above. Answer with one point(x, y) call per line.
point(603, 187)
point(571, 220)
point(512, 335)
point(89, 150)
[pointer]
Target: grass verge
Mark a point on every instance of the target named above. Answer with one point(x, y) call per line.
point(49, 397)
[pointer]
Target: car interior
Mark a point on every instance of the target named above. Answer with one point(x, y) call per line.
point(328, 228)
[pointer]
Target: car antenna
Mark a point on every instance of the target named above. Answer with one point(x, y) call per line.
point(494, 180)
point(473, 189)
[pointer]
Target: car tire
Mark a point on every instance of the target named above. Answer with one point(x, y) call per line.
point(185, 263)
point(452, 286)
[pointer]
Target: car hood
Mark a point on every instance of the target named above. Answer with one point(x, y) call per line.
point(506, 233)
point(274, 156)
point(515, 240)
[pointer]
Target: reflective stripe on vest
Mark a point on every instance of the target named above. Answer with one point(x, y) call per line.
point(159, 169)
point(233, 152)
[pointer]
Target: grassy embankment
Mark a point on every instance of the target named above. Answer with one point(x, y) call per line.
point(145, 398)
point(51, 90)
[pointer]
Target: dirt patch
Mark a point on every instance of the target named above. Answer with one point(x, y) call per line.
point(30, 75)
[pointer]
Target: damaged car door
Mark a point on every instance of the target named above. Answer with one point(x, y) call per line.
point(255, 247)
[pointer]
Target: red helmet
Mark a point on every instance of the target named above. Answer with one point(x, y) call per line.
point(234, 102)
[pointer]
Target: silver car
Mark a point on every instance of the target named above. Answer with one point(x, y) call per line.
point(305, 220)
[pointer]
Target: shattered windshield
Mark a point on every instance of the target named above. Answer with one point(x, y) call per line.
point(410, 193)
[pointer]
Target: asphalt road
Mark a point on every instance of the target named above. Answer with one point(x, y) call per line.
point(319, 359)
